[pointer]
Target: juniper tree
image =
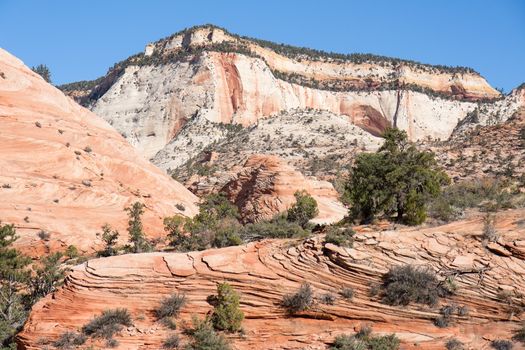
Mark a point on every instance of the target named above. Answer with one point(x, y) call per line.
point(136, 233)
point(397, 179)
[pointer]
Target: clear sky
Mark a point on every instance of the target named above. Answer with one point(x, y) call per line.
point(81, 39)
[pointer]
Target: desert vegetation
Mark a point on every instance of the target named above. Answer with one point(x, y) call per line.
point(204, 337)
point(218, 224)
point(299, 301)
point(226, 316)
point(397, 179)
point(107, 324)
point(22, 286)
point(407, 284)
point(43, 71)
point(364, 340)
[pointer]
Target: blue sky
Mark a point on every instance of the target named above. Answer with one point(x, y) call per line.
point(80, 40)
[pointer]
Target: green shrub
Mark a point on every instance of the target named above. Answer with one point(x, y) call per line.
point(277, 227)
point(226, 316)
point(348, 342)
point(303, 210)
point(72, 252)
point(454, 344)
point(170, 306)
point(487, 194)
point(204, 337)
point(172, 342)
point(405, 284)
point(501, 344)
point(216, 225)
point(342, 237)
point(365, 341)
point(108, 323)
point(387, 342)
point(68, 340)
point(300, 301)
point(227, 233)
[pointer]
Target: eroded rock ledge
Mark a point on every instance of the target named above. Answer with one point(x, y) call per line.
point(264, 271)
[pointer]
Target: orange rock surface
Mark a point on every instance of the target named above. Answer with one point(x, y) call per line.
point(266, 185)
point(66, 171)
point(263, 272)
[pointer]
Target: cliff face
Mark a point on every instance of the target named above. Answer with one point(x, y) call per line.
point(206, 74)
point(67, 172)
point(265, 271)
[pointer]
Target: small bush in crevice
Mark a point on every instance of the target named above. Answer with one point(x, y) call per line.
point(204, 337)
point(342, 237)
point(520, 334)
point(327, 299)
point(347, 293)
point(69, 339)
point(108, 323)
point(172, 342)
point(499, 344)
point(463, 310)
point(454, 344)
point(446, 315)
point(300, 301)
point(170, 306)
point(405, 284)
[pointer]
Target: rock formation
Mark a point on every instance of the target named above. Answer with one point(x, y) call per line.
point(205, 74)
point(266, 185)
point(490, 282)
point(66, 172)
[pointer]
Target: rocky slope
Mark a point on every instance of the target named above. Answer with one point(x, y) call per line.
point(490, 282)
point(480, 149)
point(206, 75)
point(65, 171)
point(266, 185)
point(312, 141)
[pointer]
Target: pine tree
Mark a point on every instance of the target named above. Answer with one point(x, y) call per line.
point(136, 233)
point(13, 277)
point(43, 71)
point(227, 316)
point(110, 238)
